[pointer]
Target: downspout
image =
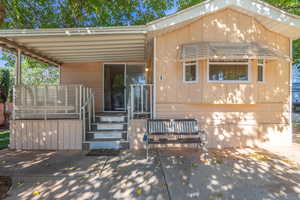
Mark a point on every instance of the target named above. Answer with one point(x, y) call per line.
point(154, 77)
point(291, 91)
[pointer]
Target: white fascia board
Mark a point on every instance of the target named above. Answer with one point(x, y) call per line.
point(264, 9)
point(74, 31)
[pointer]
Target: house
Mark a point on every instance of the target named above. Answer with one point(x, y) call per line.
point(226, 63)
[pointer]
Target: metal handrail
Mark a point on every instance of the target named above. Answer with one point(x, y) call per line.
point(140, 103)
point(88, 107)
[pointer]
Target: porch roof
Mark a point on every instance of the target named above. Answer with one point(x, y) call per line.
point(56, 46)
point(229, 50)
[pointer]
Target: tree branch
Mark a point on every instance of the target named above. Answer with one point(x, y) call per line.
point(290, 7)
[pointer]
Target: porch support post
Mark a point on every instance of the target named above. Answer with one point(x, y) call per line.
point(291, 92)
point(19, 68)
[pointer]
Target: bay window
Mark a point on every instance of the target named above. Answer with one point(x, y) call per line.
point(190, 72)
point(260, 70)
point(228, 70)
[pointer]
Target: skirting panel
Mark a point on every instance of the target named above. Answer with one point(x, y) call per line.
point(46, 134)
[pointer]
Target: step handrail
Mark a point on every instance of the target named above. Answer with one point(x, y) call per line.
point(88, 107)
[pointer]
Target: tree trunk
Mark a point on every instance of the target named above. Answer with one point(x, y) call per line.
point(4, 114)
point(2, 13)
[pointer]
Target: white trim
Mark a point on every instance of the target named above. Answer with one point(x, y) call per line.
point(137, 29)
point(19, 68)
point(229, 81)
point(263, 65)
point(125, 77)
point(262, 11)
point(184, 64)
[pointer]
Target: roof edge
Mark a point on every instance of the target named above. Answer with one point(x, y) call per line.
point(141, 29)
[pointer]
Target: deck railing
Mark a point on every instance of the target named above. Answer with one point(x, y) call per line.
point(140, 103)
point(50, 101)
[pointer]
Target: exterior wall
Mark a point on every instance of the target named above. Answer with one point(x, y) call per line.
point(136, 130)
point(89, 74)
point(46, 134)
point(234, 114)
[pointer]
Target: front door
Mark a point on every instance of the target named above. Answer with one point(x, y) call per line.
point(117, 79)
point(114, 87)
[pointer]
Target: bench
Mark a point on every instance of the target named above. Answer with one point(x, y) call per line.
point(182, 131)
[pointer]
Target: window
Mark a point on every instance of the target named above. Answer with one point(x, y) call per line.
point(260, 70)
point(228, 70)
point(190, 72)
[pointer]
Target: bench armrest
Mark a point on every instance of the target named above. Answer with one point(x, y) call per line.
point(146, 137)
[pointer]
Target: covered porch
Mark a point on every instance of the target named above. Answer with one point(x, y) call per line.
point(104, 72)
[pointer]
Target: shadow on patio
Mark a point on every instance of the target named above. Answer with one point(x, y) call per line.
point(227, 174)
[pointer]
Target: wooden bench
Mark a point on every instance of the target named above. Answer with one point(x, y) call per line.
point(174, 131)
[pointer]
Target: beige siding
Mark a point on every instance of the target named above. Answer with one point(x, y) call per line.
point(234, 114)
point(46, 134)
point(89, 74)
point(136, 130)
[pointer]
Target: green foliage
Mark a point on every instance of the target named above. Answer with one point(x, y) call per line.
point(37, 73)
point(4, 84)
point(81, 13)
point(33, 72)
point(182, 4)
point(4, 139)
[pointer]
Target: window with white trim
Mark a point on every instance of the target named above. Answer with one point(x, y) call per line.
point(228, 70)
point(260, 70)
point(190, 72)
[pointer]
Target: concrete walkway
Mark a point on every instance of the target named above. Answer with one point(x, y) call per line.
point(227, 174)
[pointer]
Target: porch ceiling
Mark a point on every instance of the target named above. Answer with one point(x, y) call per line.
point(58, 46)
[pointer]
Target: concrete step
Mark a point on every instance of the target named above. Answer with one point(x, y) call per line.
point(95, 145)
point(105, 135)
point(109, 126)
point(111, 118)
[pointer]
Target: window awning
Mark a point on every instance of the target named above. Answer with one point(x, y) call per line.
point(229, 50)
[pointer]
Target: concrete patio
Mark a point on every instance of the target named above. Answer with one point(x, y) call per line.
point(227, 174)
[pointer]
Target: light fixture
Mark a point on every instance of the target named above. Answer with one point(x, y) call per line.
point(146, 69)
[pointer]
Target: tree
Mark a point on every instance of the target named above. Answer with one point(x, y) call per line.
point(4, 89)
point(2, 13)
point(81, 13)
point(33, 72)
